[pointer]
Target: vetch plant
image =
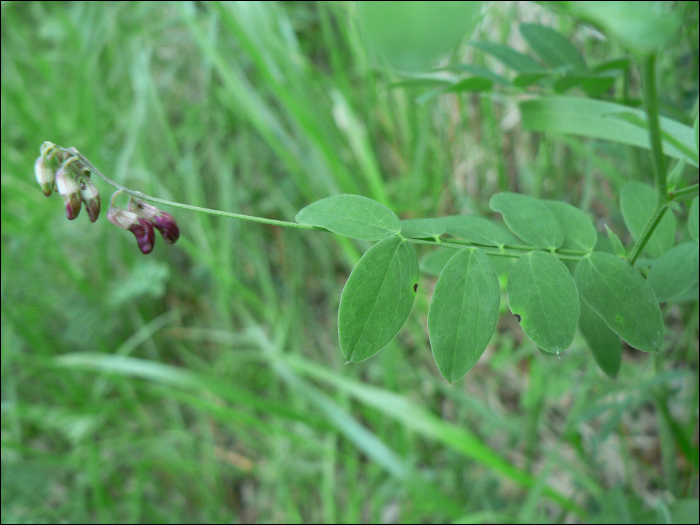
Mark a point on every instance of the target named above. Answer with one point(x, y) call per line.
point(560, 281)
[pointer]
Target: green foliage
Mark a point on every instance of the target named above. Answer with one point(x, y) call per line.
point(637, 203)
point(377, 298)
point(620, 296)
point(529, 219)
point(602, 341)
point(351, 215)
point(675, 271)
point(205, 383)
point(422, 228)
point(542, 294)
point(478, 230)
point(463, 312)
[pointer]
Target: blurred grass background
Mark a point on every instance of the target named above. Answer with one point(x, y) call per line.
point(204, 382)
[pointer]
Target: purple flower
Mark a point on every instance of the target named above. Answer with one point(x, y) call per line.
point(161, 220)
point(91, 197)
point(68, 188)
point(141, 228)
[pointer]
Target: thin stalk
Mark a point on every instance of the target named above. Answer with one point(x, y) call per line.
point(646, 235)
point(651, 104)
point(685, 193)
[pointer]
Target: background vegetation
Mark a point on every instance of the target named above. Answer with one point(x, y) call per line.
point(204, 382)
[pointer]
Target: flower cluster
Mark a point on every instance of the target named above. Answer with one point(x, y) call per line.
point(66, 171)
point(71, 179)
point(140, 218)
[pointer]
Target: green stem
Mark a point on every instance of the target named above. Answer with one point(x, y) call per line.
point(646, 235)
point(651, 105)
point(685, 193)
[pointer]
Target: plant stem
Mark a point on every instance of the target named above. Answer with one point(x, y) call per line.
point(651, 105)
point(658, 161)
point(685, 193)
point(646, 235)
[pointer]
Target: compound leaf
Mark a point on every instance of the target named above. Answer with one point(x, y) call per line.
point(675, 271)
point(377, 298)
point(528, 218)
point(353, 216)
point(543, 295)
point(619, 295)
point(638, 203)
point(463, 312)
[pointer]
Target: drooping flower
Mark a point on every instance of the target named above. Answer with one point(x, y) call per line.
point(161, 220)
point(141, 228)
point(45, 175)
point(91, 197)
point(68, 188)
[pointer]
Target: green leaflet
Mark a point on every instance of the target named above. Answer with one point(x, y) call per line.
point(619, 295)
point(463, 312)
point(603, 343)
point(543, 295)
point(509, 56)
point(422, 228)
point(377, 298)
point(675, 271)
point(528, 218)
point(693, 219)
point(552, 47)
point(593, 118)
point(353, 216)
point(638, 204)
point(579, 232)
point(478, 230)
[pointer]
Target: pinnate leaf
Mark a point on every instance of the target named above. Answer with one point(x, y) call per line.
point(675, 271)
point(619, 295)
point(377, 298)
point(638, 203)
point(579, 232)
point(543, 294)
point(463, 312)
point(529, 218)
point(353, 216)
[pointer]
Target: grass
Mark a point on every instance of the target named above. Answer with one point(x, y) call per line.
point(204, 382)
